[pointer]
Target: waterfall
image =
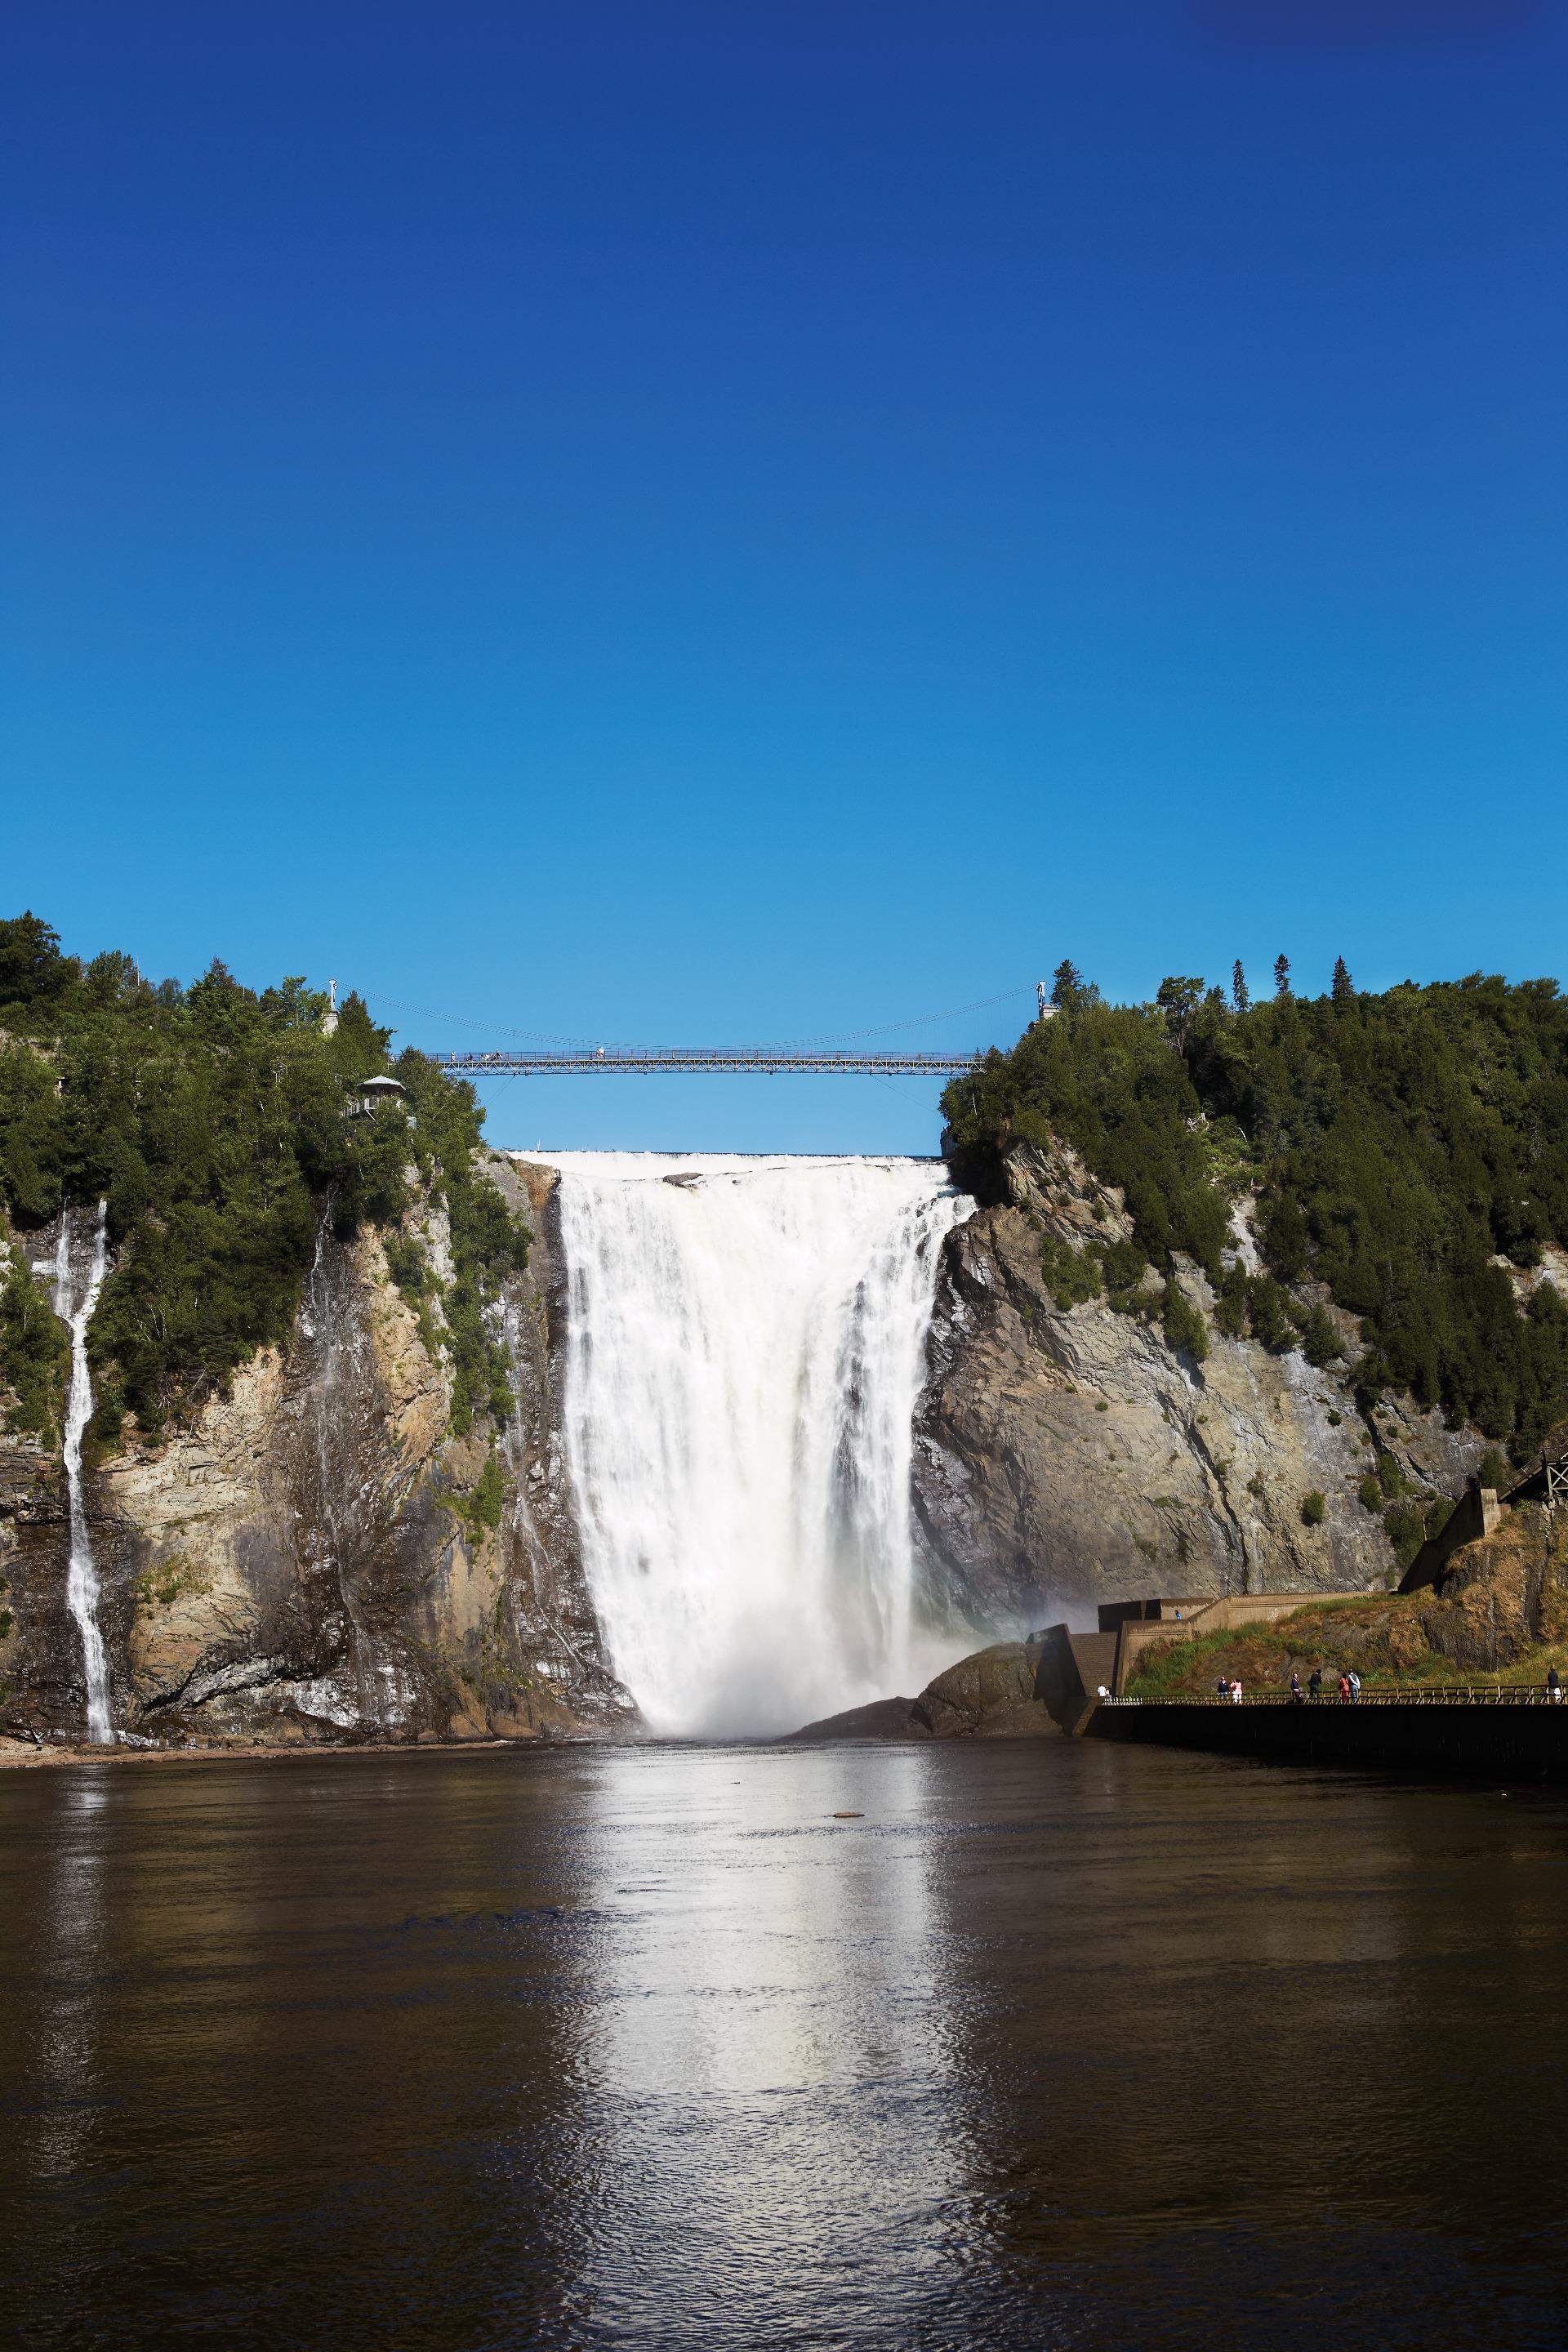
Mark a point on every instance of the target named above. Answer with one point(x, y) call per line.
point(81, 1578)
point(745, 1347)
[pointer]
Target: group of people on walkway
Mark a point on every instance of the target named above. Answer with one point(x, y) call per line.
point(1349, 1690)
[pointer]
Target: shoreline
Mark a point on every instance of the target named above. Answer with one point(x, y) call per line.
point(21, 1756)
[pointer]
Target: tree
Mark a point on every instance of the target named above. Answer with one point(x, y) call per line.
point(1178, 1000)
point(31, 964)
point(1281, 975)
point(1343, 988)
point(1068, 989)
point(1238, 992)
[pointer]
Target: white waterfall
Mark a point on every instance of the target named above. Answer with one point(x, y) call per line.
point(745, 1347)
point(81, 1578)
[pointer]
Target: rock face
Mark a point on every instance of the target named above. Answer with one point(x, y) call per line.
point(990, 1695)
point(308, 1561)
point(1065, 1456)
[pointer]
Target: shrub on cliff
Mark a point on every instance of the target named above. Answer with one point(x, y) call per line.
point(1399, 1146)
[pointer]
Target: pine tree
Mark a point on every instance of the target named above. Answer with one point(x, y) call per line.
point(1068, 986)
point(1343, 988)
point(1281, 975)
point(1238, 995)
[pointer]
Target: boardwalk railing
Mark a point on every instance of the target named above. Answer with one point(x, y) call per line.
point(1438, 1695)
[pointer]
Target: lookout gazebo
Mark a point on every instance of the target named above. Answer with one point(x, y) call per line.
point(370, 1094)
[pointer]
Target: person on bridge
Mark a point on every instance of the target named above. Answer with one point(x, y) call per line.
point(1296, 1698)
point(1315, 1684)
point(1354, 1681)
point(1554, 1686)
point(1344, 1688)
point(1235, 1693)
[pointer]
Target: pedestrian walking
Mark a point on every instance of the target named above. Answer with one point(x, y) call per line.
point(1354, 1681)
point(1236, 1693)
point(1315, 1684)
point(1554, 1685)
point(1223, 1686)
point(1296, 1698)
point(1345, 1688)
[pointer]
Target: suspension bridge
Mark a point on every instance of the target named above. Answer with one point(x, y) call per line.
point(651, 1062)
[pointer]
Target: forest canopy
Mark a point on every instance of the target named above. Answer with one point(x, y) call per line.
point(211, 1121)
point(1407, 1150)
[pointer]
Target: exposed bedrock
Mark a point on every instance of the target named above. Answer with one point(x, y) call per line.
point(1065, 1456)
point(308, 1562)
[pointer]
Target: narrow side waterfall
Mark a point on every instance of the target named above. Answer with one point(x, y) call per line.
point(81, 1578)
point(746, 1344)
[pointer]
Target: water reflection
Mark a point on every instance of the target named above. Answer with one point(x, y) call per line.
point(772, 2100)
point(61, 2063)
point(1052, 2045)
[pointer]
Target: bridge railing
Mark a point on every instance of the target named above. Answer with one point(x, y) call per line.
point(699, 1060)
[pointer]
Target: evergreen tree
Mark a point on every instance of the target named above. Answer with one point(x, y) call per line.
point(1343, 989)
point(1178, 1000)
point(1238, 989)
point(1281, 975)
point(1068, 989)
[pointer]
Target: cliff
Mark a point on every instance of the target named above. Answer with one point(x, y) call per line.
point(1066, 1453)
point(318, 1556)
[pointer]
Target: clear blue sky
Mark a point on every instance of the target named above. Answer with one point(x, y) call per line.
point(696, 523)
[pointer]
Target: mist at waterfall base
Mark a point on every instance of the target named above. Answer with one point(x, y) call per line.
point(745, 1348)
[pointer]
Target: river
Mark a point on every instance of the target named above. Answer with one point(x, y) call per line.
point(1050, 2045)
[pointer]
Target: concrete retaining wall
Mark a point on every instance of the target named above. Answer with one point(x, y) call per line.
point(1480, 1742)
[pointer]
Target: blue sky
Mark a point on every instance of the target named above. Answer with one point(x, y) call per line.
point(693, 524)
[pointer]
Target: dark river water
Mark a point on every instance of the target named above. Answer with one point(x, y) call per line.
point(1056, 2045)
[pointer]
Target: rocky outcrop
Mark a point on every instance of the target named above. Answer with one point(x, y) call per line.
point(1068, 1453)
point(991, 1695)
point(316, 1559)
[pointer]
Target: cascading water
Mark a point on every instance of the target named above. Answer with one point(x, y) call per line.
point(81, 1577)
point(745, 1347)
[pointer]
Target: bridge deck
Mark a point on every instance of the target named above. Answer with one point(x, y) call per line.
point(651, 1062)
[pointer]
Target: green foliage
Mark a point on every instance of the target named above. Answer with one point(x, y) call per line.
point(1314, 1509)
point(1230, 1302)
point(1185, 1330)
point(483, 1505)
point(1370, 1493)
point(489, 1493)
point(1404, 1524)
point(1398, 1143)
point(1069, 990)
point(212, 1120)
point(1071, 1275)
point(35, 1353)
point(1320, 1341)
point(1494, 1469)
